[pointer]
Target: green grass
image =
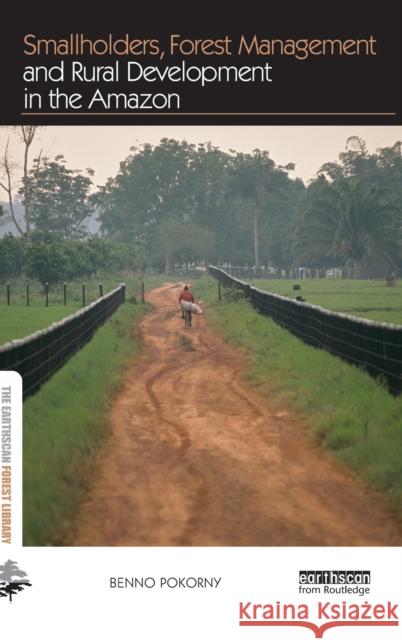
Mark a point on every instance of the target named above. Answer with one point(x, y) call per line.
point(17, 320)
point(66, 422)
point(348, 412)
point(18, 294)
point(366, 298)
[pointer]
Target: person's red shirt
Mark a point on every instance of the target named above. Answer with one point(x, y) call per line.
point(187, 296)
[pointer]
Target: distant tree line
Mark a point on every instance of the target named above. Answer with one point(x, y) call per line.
point(180, 201)
point(177, 202)
point(351, 214)
point(48, 257)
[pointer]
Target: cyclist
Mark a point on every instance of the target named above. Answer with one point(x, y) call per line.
point(186, 296)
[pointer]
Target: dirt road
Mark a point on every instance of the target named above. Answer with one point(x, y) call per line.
point(196, 457)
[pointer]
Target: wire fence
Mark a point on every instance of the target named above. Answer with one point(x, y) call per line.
point(38, 356)
point(374, 346)
point(267, 272)
point(33, 294)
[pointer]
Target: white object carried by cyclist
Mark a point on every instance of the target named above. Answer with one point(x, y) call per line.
point(188, 305)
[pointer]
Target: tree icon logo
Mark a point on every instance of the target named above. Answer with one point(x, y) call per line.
point(12, 580)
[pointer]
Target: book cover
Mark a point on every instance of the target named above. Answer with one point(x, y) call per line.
point(201, 321)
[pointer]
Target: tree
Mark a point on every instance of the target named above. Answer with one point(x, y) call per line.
point(277, 228)
point(179, 183)
point(151, 185)
point(207, 184)
point(9, 586)
point(12, 251)
point(7, 168)
point(184, 242)
point(253, 178)
point(350, 221)
point(27, 134)
point(316, 227)
point(351, 215)
point(48, 260)
point(59, 197)
point(108, 255)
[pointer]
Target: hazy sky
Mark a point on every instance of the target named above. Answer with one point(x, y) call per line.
point(102, 148)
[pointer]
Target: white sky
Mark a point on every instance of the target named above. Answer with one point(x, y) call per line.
point(102, 148)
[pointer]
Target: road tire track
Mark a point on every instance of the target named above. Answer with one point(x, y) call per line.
point(195, 456)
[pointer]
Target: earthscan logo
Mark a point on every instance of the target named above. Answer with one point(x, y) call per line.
point(325, 614)
point(12, 580)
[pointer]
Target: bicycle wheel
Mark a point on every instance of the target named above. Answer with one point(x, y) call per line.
point(187, 319)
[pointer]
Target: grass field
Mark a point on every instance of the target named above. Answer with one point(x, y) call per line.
point(18, 320)
point(67, 421)
point(345, 409)
point(366, 298)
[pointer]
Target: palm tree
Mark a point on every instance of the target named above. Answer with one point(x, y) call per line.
point(348, 220)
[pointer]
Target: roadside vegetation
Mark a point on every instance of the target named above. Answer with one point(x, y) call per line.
point(365, 298)
point(66, 422)
point(346, 410)
point(18, 320)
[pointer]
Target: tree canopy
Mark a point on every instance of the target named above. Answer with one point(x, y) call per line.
point(177, 202)
point(351, 213)
point(245, 202)
point(59, 197)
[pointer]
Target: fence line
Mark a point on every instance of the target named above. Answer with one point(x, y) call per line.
point(267, 272)
point(38, 356)
point(374, 346)
point(17, 293)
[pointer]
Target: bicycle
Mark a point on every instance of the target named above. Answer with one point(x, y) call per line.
point(187, 319)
